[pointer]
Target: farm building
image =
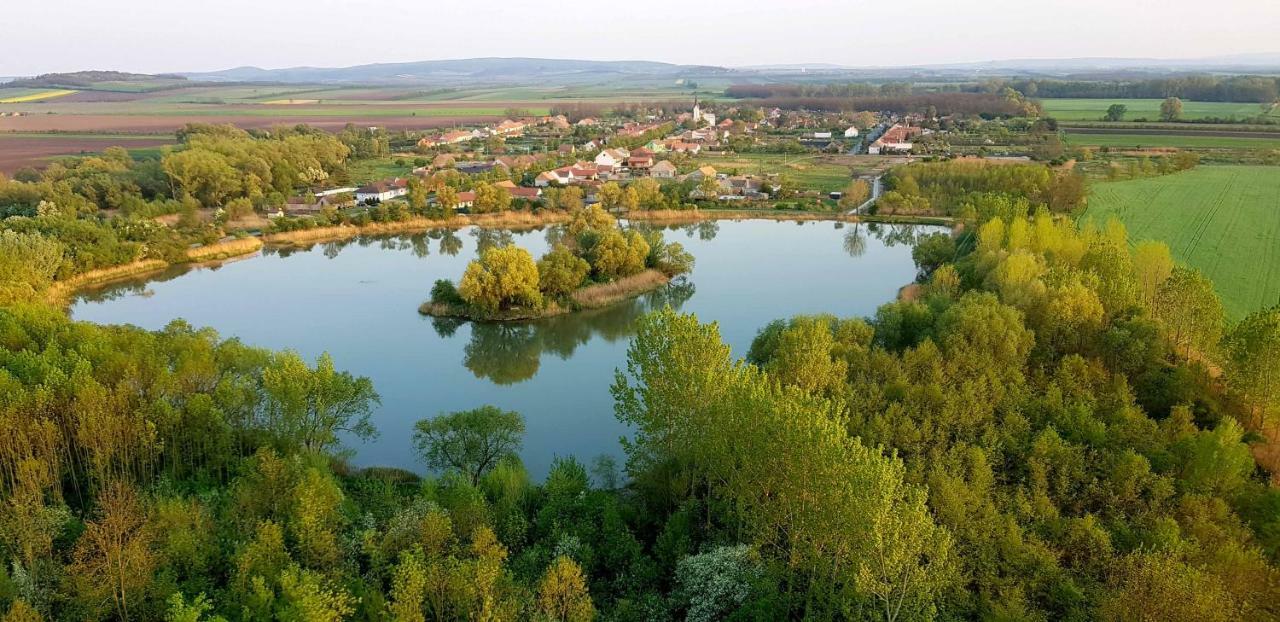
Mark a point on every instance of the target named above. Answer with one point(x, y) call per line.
point(382, 190)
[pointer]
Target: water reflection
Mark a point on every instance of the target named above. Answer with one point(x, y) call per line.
point(896, 235)
point(509, 353)
point(855, 241)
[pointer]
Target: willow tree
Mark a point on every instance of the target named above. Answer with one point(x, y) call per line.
point(309, 407)
point(501, 278)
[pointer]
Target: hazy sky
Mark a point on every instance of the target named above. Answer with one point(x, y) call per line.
point(41, 36)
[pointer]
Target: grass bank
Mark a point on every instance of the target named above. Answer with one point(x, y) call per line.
point(61, 292)
point(699, 215)
point(606, 294)
point(503, 220)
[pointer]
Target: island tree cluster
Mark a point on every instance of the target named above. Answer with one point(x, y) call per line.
point(591, 250)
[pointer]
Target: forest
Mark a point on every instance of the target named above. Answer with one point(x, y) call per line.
point(988, 105)
point(1206, 88)
point(977, 191)
point(1056, 426)
point(1196, 87)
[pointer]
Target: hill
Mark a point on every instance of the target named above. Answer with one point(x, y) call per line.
point(101, 80)
point(470, 70)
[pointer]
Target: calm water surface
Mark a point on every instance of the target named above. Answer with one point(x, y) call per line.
point(358, 300)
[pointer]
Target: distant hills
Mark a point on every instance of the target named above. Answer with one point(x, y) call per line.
point(89, 79)
point(568, 72)
point(469, 70)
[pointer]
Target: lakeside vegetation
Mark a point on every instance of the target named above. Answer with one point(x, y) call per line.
point(1036, 433)
point(594, 263)
point(978, 190)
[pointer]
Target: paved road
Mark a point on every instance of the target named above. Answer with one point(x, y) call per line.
point(877, 187)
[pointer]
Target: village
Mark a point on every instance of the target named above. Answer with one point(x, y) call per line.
point(638, 158)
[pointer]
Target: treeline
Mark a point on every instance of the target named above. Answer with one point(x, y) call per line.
point(1257, 89)
point(1045, 390)
point(855, 89)
point(945, 104)
point(979, 190)
point(90, 213)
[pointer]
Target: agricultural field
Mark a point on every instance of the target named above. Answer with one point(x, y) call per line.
point(36, 150)
point(1223, 220)
point(160, 106)
point(374, 169)
point(22, 96)
point(810, 172)
point(1095, 109)
point(1199, 140)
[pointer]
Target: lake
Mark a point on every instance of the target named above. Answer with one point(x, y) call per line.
point(358, 300)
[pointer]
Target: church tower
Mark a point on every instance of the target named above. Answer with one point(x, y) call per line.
point(697, 111)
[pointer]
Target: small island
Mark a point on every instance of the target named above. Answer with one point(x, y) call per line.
point(594, 264)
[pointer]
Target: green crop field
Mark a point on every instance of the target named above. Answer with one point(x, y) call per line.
point(809, 172)
point(1208, 141)
point(1223, 220)
point(1095, 109)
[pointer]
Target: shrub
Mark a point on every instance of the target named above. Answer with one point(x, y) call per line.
point(445, 293)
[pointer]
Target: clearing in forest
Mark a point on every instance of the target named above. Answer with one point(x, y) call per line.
point(1223, 220)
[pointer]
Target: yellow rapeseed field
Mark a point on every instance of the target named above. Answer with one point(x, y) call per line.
point(34, 97)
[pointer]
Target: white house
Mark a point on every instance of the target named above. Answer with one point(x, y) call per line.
point(382, 190)
point(852, 132)
point(822, 134)
point(612, 157)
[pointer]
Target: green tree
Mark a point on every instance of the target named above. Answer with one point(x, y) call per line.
point(1158, 587)
point(855, 194)
point(562, 593)
point(491, 198)
point(308, 407)
point(501, 278)
point(1171, 109)
point(447, 199)
point(306, 596)
point(1116, 112)
point(470, 441)
point(1253, 372)
point(616, 255)
point(182, 611)
point(560, 272)
point(1190, 310)
point(1152, 266)
point(113, 557)
point(28, 263)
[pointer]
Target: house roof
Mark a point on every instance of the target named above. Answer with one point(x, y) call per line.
point(665, 165)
